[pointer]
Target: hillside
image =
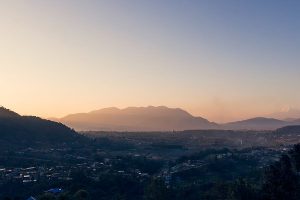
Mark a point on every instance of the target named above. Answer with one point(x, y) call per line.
point(137, 119)
point(15, 128)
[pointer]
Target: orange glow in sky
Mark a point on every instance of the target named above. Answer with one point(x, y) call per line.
point(219, 61)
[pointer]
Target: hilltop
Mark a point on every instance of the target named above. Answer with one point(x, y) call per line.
point(17, 129)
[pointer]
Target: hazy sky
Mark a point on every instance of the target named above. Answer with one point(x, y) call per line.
point(223, 60)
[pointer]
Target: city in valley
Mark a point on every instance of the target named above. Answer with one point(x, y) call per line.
point(133, 165)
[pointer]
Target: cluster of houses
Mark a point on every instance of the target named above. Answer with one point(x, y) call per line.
point(33, 174)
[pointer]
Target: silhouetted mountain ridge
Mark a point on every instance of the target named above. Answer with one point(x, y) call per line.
point(161, 118)
point(149, 118)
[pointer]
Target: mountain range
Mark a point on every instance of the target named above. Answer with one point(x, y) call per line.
point(149, 118)
point(160, 118)
point(24, 131)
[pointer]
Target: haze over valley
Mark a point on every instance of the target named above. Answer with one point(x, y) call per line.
point(161, 118)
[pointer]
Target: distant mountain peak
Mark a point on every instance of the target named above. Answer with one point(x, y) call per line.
point(263, 119)
point(257, 123)
point(105, 110)
point(150, 118)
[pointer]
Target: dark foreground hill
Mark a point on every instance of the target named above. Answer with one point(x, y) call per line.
point(17, 129)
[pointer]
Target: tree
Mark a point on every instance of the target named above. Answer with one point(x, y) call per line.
point(81, 195)
point(47, 196)
point(295, 156)
point(156, 190)
point(242, 190)
point(281, 181)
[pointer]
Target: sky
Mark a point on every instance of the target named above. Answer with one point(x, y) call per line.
point(222, 60)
